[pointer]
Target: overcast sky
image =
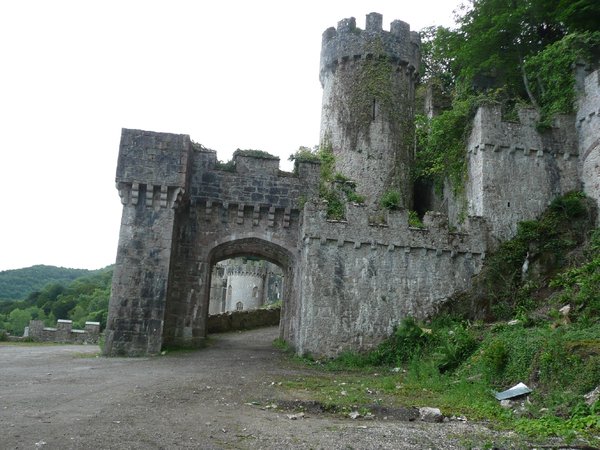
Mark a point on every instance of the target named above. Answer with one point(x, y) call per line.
point(231, 74)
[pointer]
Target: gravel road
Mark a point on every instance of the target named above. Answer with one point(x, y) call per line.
point(64, 397)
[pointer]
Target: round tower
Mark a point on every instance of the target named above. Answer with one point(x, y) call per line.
point(367, 117)
point(245, 286)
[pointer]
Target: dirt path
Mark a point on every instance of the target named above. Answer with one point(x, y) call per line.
point(62, 397)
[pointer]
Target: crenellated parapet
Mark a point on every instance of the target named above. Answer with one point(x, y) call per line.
point(349, 43)
point(390, 230)
point(251, 181)
point(248, 269)
point(492, 134)
point(515, 169)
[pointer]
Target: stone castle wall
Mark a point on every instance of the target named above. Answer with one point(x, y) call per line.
point(588, 133)
point(347, 283)
point(515, 171)
point(360, 280)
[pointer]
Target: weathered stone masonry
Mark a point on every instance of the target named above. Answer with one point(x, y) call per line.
point(347, 283)
point(181, 215)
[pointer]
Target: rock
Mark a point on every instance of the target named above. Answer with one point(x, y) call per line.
point(296, 416)
point(565, 310)
point(427, 414)
point(593, 396)
point(354, 415)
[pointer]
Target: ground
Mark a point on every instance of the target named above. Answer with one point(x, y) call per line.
point(220, 397)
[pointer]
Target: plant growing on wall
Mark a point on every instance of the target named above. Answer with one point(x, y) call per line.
point(334, 188)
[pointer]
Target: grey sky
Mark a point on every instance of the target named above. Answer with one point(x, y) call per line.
point(231, 74)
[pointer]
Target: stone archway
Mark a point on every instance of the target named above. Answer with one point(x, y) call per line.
point(272, 252)
point(182, 212)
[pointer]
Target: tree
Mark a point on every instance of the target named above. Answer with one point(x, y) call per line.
point(495, 37)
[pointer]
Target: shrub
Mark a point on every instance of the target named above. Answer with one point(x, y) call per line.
point(390, 200)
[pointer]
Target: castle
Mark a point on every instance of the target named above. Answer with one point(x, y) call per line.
point(347, 282)
point(240, 284)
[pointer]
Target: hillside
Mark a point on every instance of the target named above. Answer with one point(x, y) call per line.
point(18, 283)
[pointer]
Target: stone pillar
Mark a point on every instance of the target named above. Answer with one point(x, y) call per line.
point(151, 179)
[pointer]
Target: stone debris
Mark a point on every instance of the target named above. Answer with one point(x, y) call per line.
point(296, 416)
point(432, 415)
point(354, 415)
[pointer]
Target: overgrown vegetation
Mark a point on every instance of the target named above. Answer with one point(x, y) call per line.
point(334, 188)
point(455, 363)
point(508, 53)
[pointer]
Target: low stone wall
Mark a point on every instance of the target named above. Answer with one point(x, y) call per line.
point(64, 332)
point(243, 320)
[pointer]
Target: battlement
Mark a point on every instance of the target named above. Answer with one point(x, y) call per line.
point(491, 134)
point(391, 230)
point(250, 179)
point(247, 270)
point(249, 163)
point(63, 332)
point(349, 43)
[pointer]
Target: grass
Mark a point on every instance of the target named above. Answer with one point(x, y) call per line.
point(560, 363)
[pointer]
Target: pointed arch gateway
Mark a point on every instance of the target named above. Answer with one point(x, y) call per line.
point(273, 252)
point(182, 213)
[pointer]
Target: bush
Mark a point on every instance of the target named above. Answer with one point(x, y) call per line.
point(390, 200)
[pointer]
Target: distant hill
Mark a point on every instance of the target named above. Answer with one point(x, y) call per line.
point(17, 284)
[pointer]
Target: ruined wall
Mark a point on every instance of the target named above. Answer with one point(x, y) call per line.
point(368, 78)
point(588, 133)
point(515, 171)
point(63, 332)
point(360, 280)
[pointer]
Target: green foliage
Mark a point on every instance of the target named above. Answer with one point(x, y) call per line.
point(304, 154)
point(334, 188)
point(580, 285)
point(414, 220)
point(562, 227)
point(508, 52)
point(228, 166)
point(436, 57)
point(17, 284)
point(551, 69)
point(391, 200)
point(254, 154)
point(495, 37)
point(84, 299)
point(441, 143)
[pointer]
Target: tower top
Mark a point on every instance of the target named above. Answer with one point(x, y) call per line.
point(348, 42)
